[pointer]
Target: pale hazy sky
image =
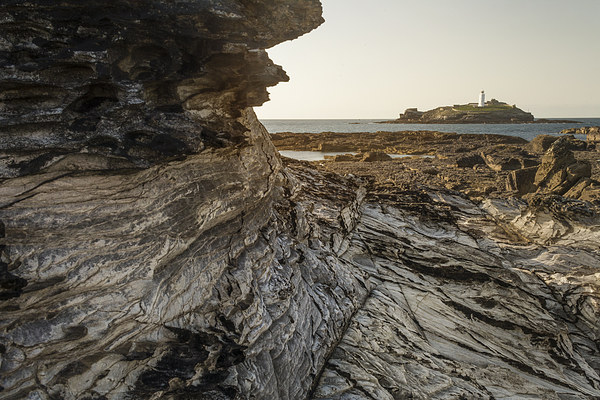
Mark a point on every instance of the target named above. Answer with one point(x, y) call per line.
point(373, 59)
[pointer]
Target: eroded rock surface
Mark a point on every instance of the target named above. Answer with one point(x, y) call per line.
point(488, 302)
point(148, 247)
point(154, 245)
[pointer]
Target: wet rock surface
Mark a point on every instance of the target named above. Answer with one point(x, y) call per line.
point(481, 166)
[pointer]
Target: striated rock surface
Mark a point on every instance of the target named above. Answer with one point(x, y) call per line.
point(151, 246)
point(154, 245)
point(494, 301)
point(136, 83)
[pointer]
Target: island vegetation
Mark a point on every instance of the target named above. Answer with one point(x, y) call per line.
point(494, 112)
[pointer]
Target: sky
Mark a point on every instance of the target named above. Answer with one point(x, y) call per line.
point(373, 59)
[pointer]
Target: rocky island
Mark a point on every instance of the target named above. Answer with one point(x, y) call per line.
point(493, 112)
point(154, 245)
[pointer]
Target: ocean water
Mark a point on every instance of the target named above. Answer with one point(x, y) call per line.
point(526, 131)
point(320, 155)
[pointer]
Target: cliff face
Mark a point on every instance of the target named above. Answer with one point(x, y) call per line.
point(155, 246)
point(134, 83)
point(142, 254)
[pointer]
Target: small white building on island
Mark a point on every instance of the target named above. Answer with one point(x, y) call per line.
point(481, 99)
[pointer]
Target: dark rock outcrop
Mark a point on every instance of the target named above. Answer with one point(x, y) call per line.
point(507, 158)
point(541, 143)
point(559, 170)
point(371, 156)
point(469, 161)
point(586, 130)
point(91, 86)
point(148, 250)
point(522, 181)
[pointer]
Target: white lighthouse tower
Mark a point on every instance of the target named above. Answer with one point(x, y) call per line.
point(482, 99)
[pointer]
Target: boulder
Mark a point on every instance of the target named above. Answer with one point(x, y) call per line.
point(371, 156)
point(469, 161)
point(576, 144)
point(507, 158)
point(559, 169)
point(521, 181)
point(541, 143)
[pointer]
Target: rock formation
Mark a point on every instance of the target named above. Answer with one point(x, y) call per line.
point(495, 112)
point(559, 173)
point(142, 253)
point(586, 130)
point(404, 142)
point(592, 132)
point(154, 245)
point(462, 306)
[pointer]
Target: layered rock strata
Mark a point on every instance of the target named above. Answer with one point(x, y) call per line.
point(154, 246)
point(143, 253)
point(559, 173)
point(480, 302)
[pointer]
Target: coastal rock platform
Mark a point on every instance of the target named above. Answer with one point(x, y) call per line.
point(154, 245)
point(480, 166)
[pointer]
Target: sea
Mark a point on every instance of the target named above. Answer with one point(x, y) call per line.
point(525, 131)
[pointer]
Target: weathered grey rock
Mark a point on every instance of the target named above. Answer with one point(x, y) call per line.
point(463, 307)
point(177, 280)
point(153, 246)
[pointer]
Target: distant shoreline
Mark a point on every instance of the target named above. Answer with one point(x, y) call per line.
point(537, 121)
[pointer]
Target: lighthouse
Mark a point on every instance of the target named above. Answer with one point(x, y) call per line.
point(482, 99)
